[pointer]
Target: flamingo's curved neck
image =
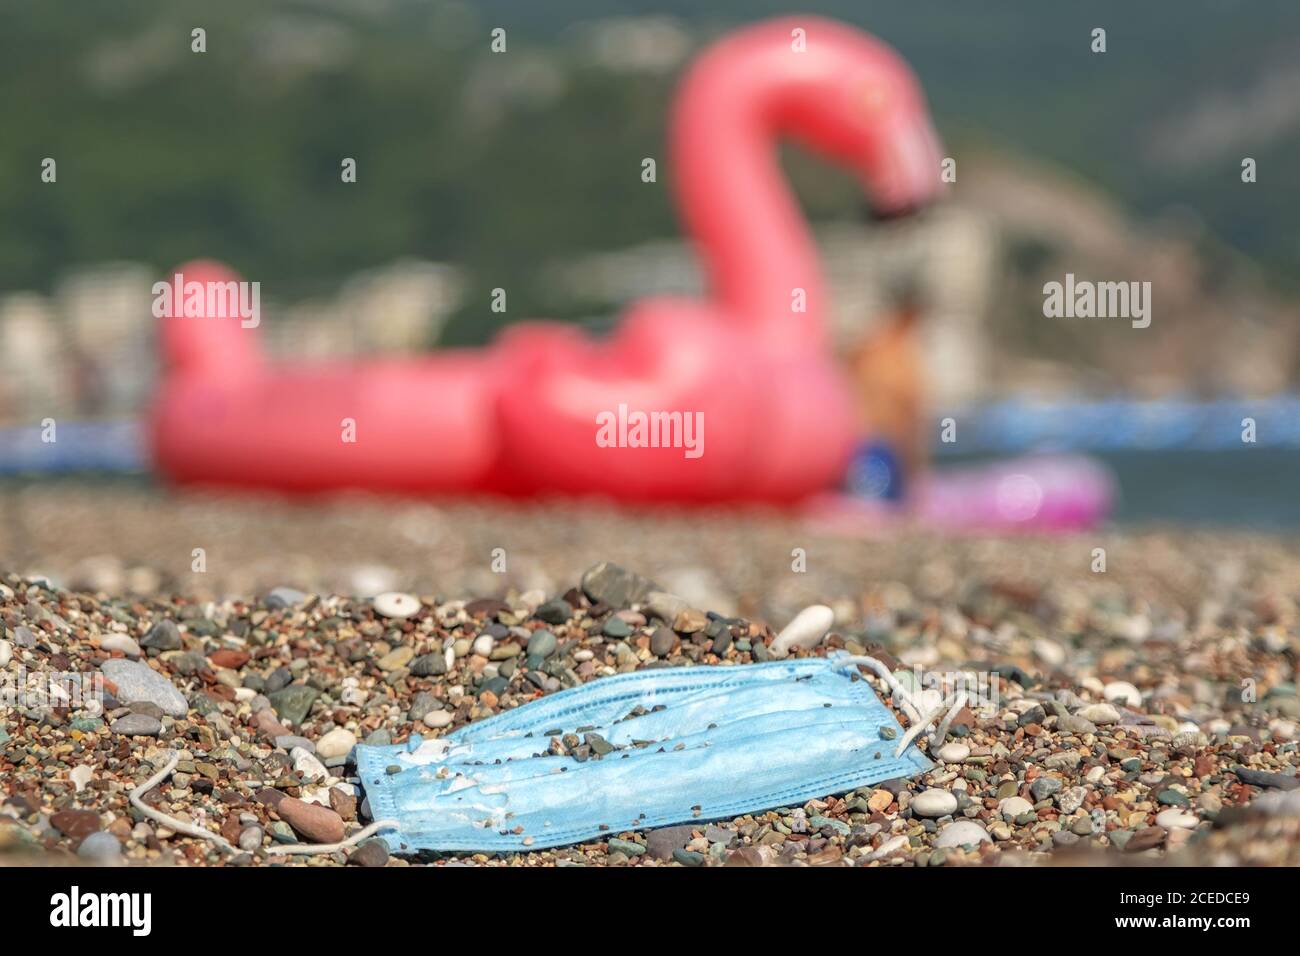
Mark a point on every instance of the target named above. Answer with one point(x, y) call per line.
point(758, 252)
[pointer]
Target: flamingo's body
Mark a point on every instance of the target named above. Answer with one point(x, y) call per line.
point(521, 415)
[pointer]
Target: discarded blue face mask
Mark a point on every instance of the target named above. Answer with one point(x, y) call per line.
point(670, 745)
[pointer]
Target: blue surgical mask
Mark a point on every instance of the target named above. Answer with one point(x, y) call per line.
point(671, 745)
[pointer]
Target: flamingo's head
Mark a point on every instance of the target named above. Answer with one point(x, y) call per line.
point(851, 97)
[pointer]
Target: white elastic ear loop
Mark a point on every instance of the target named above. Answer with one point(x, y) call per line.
point(189, 829)
point(314, 848)
point(906, 700)
point(180, 826)
point(953, 702)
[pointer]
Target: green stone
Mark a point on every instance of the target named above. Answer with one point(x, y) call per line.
point(542, 644)
point(281, 832)
point(626, 847)
point(839, 826)
point(617, 627)
point(293, 703)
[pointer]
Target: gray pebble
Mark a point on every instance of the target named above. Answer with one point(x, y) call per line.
point(1261, 778)
point(138, 682)
point(661, 843)
point(251, 839)
point(1044, 787)
point(422, 704)
point(616, 586)
point(429, 665)
point(137, 725)
point(665, 606)
point(163, 636)
point(720, 835)
point(372, 853)
point(554, 612)
point(284, 597)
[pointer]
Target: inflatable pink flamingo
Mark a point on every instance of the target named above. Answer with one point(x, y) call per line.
point(750, 368)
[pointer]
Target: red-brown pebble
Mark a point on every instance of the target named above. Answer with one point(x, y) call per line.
point(315, 823)
point(229, 658)
point(75, 824)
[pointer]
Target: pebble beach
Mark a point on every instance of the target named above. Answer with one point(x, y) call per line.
point(1146, 709)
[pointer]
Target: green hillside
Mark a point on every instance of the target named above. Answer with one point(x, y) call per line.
point(165, 154)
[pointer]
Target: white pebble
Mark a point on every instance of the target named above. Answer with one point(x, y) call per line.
point(396, 605)
point(1071, 799)
point(483, 645)
point(337, 743)
point(806, 630)
point(1173, 817)
point(962, 833)
point(305, 762)
point(318, 795)
point(1122, 692)
point(1095, 774)
point(1100, 714)
point(933, 803)
point(928, 699)
point(1049, 652)
point(371, 579)
point(80, 776)
point(892, 845)
point(953, 752)
point(438, 718)
point(1012, 807)
point(1136, 628)
point(6, 653)
point(1283, 730)
point(120, 642)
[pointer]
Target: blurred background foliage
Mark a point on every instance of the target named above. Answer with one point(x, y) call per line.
point(501, 164)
